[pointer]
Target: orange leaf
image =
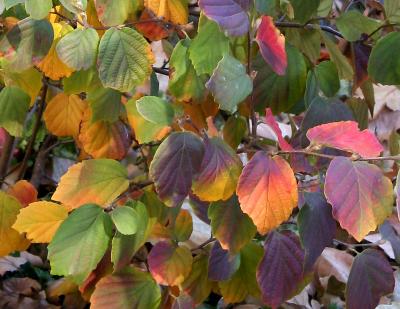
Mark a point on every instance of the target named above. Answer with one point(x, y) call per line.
point(154, 31)
point(267, 191)
point(24, 192)
point(175, 11)
point(63, 115)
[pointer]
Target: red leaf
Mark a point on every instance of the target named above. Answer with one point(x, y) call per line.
point(345, 135)
point(371, 277)
point(271, 122)
point(272, 45)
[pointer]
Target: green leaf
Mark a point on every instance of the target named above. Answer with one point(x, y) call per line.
point(312, 90)
point(306, 40)
point(328, 78)
point(11, 3)
point(38, 9)
point(384, 63)
point(304, 10)
point(184, 83)
point(280, 93)
point(126, 220)
point(14, 104)
point(126, 289)
point(106, 104)
point(124, 59)
point(342, 64)
point(325, 7)
point(114, 12)
point(78, 48)
point(75, 6)
point(352, 24)
point(80, 243)
point(392, 10)
point(81, 81)
point(230, 83)
point(155, 110)
point(234, 130)
point(27, 43)
point(208, 47)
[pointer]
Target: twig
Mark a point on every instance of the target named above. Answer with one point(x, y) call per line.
point(204, 244)
point(373, 244)
point(285, 24)
point(6, 155)
point(162, 71)
point(39, 113)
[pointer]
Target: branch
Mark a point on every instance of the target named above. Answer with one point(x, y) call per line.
point(6, 154)
point(285, 24)
point(204, 244)
point(373, 244)
point(162, 71)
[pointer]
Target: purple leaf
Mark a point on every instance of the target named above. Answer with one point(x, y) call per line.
point(281, 268)
point(230, 15)
point(222, 264)
point(317, 227)
point(371, 277)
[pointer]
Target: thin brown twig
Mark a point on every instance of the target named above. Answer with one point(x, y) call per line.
point(6, 153)
point(204, 244)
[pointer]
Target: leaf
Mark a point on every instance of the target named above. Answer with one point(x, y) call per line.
point(280, 93)
point(14, 104)
point(234, 130)
point(197, 284)
point(352, 24)
point(267, 191)
point(154, 31)
point(182, 227)
point(345, 135)
point(229, 83)
point(97, 181)
point(360, 195)
point(27, 43)
point(38, 9)
point(308, 41)
point(272, 45)
point(128, 288)
point(392, 10)
point(145, 131)
point(114, 12)
point(80, 243)
point(78, 48)
point(397, 192)
point(103, 139)
point(243, 282)
point(342, 64)
point(383, 63)
point(63, 115)
point(278, 282)
point(175, 11)
point(124, 60)
point(220, 169)
point(230, 15)
point(208, 47)
point(226, 217)
point(75, 6)
point(304, 11)
point(105, 104)
point(24, 192)
point(51, 65)
point(317, 228)
point(328, 78)
point(125, 220)
point(271, 122)
point(184, 83)
point(169, 264)
point(175, 164)
point(371, 277)
point(40, 221)
point(155, 110)
point(10, 239)
point(222, 264)
point(82, 81)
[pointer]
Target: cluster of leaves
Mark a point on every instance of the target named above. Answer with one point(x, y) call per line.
point(136, 122)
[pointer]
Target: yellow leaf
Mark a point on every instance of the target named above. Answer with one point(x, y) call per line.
point(10, 239)
point(102, 139)
point(51, 65)
point(63, 115)
point(40, 220)
point(175, 11)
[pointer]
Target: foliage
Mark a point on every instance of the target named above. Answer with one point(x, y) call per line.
point(176, 153)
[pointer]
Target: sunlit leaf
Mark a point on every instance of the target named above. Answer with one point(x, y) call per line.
point(267, 191)
point(63, 115)
point(226, 217)
point(125, 220)
point(24, 192)
point(175, 11)
point(230, 83)
point(346, 136)
point(273, 124)
point(371, 277)
point(220, 169)
point(360, 195)
point(126, 289)
point(74, 6)
point(182, 226)
point(169, 264)
point(175, 164)
point(97, 181)
point(113, 12)
point(155, 110)
point(38, 9)
point(278, 282)
point(40, 221)
point(272, 45)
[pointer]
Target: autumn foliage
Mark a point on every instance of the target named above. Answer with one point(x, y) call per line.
point(211, 153)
